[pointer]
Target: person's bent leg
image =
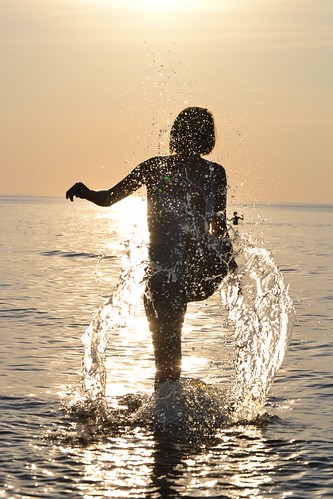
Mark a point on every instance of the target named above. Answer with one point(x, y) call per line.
point(165, 306)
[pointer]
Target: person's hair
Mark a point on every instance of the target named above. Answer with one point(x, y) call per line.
point(193, 131)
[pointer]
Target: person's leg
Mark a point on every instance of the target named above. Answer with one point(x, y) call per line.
point(165, 306)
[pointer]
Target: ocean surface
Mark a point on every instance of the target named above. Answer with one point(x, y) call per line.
point(60, 264)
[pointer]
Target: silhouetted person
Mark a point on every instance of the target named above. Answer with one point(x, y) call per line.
point(189, 247)
point(235, 219)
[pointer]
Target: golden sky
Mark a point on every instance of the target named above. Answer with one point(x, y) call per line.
point(90, 88)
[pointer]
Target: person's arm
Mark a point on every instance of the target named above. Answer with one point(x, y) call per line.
point(219, 222)
point(124, 188)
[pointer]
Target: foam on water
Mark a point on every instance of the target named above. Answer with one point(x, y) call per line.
point(261, 313)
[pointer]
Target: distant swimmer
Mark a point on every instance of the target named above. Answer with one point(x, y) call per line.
point(235, 219)
point(189, 249)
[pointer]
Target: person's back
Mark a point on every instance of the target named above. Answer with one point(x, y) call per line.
point(182, 192)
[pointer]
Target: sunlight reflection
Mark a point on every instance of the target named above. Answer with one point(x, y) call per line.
point(251, 460)
point(192, 364)
point(127, 217)
point(116, 468)
point(128, 214)
point(137, 463)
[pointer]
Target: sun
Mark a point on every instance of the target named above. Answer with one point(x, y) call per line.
point(159, 4)
point(165, 4)
point(151, 6)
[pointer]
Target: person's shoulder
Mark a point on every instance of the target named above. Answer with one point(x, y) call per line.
point(215, 168)
point(152, 168)
point(155, 161)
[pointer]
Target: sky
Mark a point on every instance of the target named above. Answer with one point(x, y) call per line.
point(90, 88)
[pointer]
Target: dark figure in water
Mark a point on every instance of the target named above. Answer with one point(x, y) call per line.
point(189, 247)
point(235, 219)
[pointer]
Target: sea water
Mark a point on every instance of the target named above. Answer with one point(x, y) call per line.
point(78, 369)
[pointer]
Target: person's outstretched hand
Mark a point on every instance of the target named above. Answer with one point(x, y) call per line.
point(78, 190)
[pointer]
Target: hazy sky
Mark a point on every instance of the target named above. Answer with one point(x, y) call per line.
point(90, 88)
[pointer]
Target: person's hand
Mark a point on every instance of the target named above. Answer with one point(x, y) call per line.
point(78, 190)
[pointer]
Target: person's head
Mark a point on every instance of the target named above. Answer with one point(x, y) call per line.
point(193, 132)
point(235, 213)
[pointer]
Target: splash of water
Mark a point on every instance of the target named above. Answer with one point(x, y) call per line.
point(115, 313)
point(259, 309)
point(188, 409)
point(262, 313)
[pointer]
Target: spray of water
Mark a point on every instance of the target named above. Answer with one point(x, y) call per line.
point(260, 312)
point(115, 313)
